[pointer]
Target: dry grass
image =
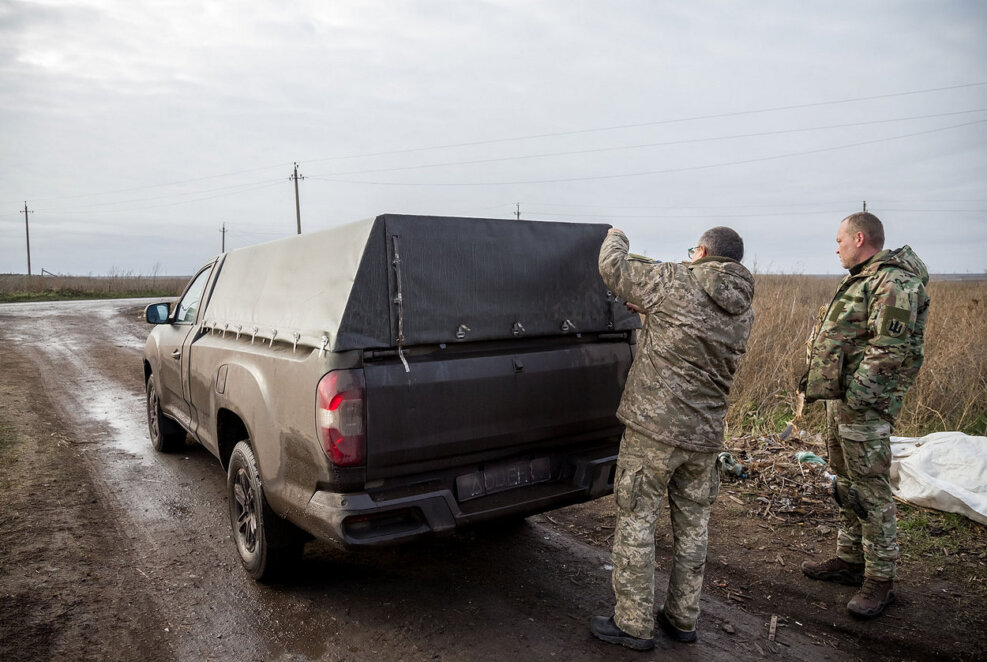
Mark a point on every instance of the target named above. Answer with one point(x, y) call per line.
point(17, 287)
point(949, 394)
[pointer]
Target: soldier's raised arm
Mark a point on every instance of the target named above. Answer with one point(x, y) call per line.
point(635, 280)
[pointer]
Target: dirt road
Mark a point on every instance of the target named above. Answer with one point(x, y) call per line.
point(111, 551)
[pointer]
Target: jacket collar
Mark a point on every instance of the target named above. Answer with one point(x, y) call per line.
point(874, 259)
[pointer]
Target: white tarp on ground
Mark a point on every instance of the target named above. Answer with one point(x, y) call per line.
point(946, 471)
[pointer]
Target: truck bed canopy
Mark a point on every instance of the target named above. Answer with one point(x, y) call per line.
point(417, 280)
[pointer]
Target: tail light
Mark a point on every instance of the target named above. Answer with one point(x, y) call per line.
point(339, 417)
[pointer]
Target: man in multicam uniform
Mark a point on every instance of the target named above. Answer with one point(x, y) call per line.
point(698, 317)
point(863, 357)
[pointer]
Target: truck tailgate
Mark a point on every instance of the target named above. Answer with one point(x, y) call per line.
point(470, 407)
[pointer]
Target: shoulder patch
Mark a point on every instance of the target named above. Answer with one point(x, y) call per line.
point(895, 322)
point(836, 310)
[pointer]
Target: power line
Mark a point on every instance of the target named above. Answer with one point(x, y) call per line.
point(150, 186)
point(277, 182)
point(792, 206)
point(535, 137)
point(668, 143)
point(653, 123)
point(793, 212)
point(233, 188)
point(666, 170)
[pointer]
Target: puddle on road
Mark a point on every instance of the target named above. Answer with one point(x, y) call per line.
point(122, 413)
point(55, 330)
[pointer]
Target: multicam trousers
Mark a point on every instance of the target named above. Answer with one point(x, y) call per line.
point(646, 469)
point(860, 456)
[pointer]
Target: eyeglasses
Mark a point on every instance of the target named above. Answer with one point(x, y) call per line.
point(692, 251)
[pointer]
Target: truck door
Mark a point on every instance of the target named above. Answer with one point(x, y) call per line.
point(174, 347)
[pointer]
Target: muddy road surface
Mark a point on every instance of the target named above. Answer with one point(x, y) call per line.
point(111, 551)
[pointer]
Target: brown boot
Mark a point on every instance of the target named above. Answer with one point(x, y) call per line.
point(872, 598)
point(835, 570)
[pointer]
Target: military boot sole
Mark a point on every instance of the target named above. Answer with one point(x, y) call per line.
point(844, 577)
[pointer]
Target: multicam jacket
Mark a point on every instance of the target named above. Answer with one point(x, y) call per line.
point(698, 319)
point(867, 348)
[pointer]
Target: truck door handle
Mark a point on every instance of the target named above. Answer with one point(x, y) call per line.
point(176, 353)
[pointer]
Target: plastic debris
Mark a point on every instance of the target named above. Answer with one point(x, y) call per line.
point(728, 466)
point(809, 457)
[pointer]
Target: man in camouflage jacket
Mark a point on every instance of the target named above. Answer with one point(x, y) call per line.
point(863, 357)
point(698, 317)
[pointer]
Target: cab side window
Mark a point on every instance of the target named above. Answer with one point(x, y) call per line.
point(189, 304)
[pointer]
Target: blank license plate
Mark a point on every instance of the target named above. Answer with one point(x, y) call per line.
point(502, 477)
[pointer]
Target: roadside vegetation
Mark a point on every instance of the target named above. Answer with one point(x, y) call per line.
point(19, 288)
point(949, 394)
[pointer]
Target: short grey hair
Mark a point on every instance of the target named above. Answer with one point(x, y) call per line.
point(869, 225)
point(722, 241)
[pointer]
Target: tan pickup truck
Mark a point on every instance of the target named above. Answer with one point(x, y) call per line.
point(394, 378)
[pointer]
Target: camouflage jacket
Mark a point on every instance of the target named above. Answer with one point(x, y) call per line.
point(867, 348)
point(698, 318)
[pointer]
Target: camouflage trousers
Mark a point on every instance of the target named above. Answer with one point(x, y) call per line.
point(860, 456)
point(646, 469)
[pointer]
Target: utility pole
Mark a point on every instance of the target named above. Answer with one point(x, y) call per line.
point(298, 209)
point(223, 250)
point(518, 212)
point(865, 205)
point(27, 234)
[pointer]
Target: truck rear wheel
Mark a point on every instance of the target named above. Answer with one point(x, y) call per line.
point(266, 543)
point(167, 436)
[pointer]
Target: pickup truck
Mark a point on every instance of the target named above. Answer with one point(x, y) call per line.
point(394, 378)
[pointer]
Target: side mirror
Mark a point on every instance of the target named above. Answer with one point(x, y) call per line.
point(156, 313)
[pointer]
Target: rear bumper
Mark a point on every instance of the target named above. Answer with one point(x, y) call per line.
point(432, 506)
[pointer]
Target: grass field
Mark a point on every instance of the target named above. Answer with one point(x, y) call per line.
point(18, 287)
point(950, 393)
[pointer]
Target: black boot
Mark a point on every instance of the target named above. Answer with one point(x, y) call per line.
point(685, 636)
point(604, 628)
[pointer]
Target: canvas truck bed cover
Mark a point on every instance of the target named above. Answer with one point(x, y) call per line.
point(418, 280)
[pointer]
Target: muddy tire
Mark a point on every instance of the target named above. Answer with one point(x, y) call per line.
point(267, 544)
point(167, 436)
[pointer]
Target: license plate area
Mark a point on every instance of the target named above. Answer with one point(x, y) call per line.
point(496, 478)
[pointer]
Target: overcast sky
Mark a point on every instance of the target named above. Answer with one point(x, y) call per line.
point(136, 130)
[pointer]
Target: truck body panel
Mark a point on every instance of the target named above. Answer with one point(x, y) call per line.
point(492, 355)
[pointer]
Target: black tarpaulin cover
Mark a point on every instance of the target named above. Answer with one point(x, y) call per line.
point(430, 279)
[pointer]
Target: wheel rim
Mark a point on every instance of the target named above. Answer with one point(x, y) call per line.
point(245, 511)
point(152, 411)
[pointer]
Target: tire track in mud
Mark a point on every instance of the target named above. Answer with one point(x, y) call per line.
point(521, 592)
point(88, 359)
